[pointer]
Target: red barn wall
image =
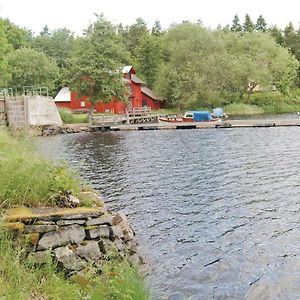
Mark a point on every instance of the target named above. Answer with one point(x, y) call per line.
point(136, 91)
point(114, 106)
point(148, 101)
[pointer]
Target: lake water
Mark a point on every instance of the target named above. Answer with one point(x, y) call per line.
point(216, 211)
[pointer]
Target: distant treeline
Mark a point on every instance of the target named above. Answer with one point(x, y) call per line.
point(188, 65)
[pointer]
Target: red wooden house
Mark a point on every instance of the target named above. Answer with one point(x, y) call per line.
point(139, 96)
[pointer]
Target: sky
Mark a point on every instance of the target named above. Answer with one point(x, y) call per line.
point(76, 15)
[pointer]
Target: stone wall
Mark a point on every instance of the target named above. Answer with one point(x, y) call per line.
point(75, 237)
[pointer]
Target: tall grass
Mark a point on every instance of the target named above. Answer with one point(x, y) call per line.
point(242, 109)
point(68, 117)
point(26, 178)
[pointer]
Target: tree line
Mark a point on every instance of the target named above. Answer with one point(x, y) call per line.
point(188, 65)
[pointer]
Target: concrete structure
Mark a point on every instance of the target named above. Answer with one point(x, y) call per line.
point(41, 111)
point(139, 96)
point(22, 111)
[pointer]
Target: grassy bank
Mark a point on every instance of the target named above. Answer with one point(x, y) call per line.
point(266, 102)
point(27, 179)
point(68, 117)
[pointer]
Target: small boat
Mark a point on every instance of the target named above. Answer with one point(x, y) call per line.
point(191, 116)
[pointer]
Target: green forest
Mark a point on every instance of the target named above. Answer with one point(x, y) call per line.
point(245, 66)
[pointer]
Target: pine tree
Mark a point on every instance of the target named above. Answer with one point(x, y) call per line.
point(156, 29)
point(261, 24)
point(236, 26)
point(248, 25)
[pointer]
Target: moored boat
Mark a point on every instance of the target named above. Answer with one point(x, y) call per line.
point(191, 116)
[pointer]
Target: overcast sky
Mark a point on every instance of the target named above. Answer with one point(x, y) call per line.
point(77, 14)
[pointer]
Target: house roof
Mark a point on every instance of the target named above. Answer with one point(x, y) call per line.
point(149, 93)
point(126, 69)
point(64, 95)
point(136, 79)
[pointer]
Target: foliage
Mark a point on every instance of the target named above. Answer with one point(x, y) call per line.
point(31, 68)
point(211, 68)
point(236, 25)
point(57, 44)
point(248, 25)
point(68, 117)
point(149, 57)
point(4, 50)
point(95, 64)
point(261, 25)
point(16, 36)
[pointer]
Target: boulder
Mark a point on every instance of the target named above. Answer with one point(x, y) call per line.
point(89, 250)
point(70, 222)
point(69, 259)
point(117, 232)
point(69, 234)
point(119, 217)
point(103, 220)
point(102, 231)
point(40, 228)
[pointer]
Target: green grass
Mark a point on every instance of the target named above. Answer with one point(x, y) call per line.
point(242, 109)
point(68, 117)
point(28, 179)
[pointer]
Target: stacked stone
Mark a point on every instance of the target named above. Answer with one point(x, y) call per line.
point(79, 238)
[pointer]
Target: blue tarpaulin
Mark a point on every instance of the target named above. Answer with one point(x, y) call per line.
point(202, 116)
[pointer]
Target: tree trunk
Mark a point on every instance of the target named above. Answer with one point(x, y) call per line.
point(91, 113)
point(250, 90)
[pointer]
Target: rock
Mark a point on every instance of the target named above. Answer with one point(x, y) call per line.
point(99, 231)
point(68, 259)
point(119, 217)
point(89, 250)
point(41, 222)
point(117, 232)
point(32, 238)
point(70, 234)
point(128, 232)
point(107, 247)
point(40, 257)
point(40, 228)
point(135, 260)
point(70, 222)
point(74, 201)
point(103, 220)
point(119, 244)
point(132, 246)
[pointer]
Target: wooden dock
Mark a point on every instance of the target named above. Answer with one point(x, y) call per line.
point(199, 125)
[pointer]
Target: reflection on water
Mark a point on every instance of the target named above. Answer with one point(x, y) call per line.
point(216, 211)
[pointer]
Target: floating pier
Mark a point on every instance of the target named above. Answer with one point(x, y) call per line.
point(200, 125)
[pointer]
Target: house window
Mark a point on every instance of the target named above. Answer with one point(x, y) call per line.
point(144, 103)
point(82, 104)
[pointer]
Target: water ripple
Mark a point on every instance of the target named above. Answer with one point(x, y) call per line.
point(217, 212)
